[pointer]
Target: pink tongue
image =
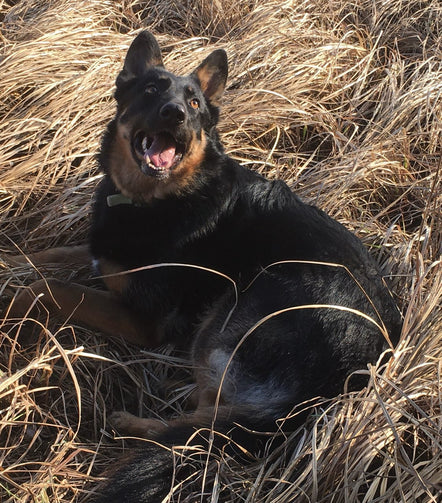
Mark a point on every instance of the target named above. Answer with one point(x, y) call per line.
point(162, 152)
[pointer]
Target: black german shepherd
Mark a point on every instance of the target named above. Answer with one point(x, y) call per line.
point(277, 302)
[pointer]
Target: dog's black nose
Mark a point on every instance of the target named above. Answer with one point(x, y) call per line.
point(173, 112)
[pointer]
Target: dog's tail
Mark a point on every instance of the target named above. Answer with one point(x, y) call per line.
point(185, 458)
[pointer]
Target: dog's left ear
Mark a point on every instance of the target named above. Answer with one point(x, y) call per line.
point(143, 53)
point(212, 76)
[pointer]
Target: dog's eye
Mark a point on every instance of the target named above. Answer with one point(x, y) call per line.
point(194, 103)
point(151, 89)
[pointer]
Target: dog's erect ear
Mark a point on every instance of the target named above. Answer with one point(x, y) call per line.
point(143, 53)
point(212, 76)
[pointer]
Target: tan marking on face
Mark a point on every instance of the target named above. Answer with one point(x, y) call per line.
point(125, 172)
point(184, 173)
point(133, 183)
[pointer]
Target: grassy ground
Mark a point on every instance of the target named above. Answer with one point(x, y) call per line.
point(343, 100)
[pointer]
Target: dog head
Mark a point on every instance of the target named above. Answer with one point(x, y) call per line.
point(164, 122)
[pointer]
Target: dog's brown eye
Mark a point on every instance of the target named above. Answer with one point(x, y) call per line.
point(194, 103)
point(151, 89)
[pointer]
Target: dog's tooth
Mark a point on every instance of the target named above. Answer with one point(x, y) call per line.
point(144, 144)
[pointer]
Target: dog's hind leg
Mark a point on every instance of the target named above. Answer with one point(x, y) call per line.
point(141, 427)
point(203, 416)
point(100, 310)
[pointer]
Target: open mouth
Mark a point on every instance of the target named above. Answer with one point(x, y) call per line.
point(158, 154)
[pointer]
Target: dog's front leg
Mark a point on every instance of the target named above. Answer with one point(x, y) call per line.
point(99, 310)
point(62, 255)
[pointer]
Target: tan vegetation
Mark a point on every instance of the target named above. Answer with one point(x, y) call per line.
point(341, 99)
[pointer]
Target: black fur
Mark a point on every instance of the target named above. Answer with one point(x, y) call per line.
point(229, 219)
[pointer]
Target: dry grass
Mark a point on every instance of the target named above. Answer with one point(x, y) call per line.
point(343, 100)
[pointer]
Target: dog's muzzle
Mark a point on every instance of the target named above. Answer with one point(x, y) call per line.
point(158, 153)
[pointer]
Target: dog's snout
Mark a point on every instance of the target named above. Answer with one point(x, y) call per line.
point(173, 113)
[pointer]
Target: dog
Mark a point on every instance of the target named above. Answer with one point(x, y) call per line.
point(278, 302)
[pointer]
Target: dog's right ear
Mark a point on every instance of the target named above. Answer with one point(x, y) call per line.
point(143, 53)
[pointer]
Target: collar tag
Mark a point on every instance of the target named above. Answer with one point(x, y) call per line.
point(117, 199)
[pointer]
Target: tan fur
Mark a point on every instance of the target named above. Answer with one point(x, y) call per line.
point(62, 255)
point(142, 427)
point(185, 171)
point(110, 271)
point(213, 93)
